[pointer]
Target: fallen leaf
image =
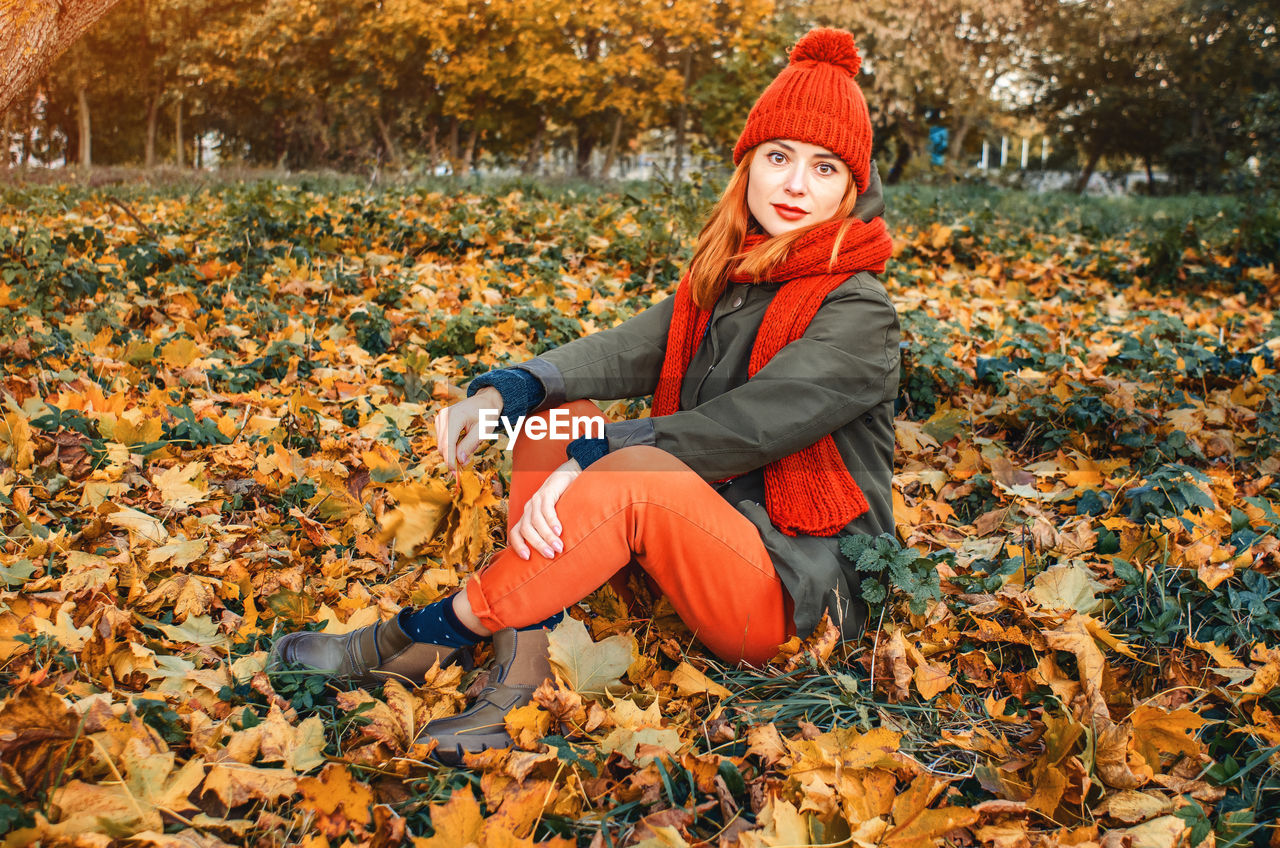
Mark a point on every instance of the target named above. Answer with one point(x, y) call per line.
point(589, 668)
point(1157, 732)
point(334, 792)
point(236, 784)
point(781, 825)
point(1131, 807)
point(1069, 585)
point(689, 681)
point(177, 487)
point(1162, 832)
point(145, 527)
point(915, 825)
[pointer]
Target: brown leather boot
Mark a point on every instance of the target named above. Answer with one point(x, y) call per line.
point(365, 657)
point(520, 666)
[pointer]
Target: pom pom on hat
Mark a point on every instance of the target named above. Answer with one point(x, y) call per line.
point(816, 99)
point(824, 44)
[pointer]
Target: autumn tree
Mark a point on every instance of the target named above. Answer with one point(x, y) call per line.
point(732, 77)
point(33, 33)
point(948, 56)
point(605, 72)
point(718, 42)
point(1173, 81)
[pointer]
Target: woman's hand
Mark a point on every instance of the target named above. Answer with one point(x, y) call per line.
point(539, 527)
point(458, 427)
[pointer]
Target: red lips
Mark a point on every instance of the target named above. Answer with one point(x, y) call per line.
point(789, 212)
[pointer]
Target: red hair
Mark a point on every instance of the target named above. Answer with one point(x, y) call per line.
point(719, 252)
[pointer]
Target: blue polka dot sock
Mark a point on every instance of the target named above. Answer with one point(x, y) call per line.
point(438, 624)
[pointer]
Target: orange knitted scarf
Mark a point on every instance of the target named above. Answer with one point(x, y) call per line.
point(811, 490)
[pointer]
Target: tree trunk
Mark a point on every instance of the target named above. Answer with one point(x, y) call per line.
point(611, 154)
point(24, 155)
point(1089, 168)
point(1151, 177)
point(901, 157)
point(388, 143)
point(682, 117)
point(31, 39)
point(957, 141)
point(468, 155)
point(433, 152)
point(153, 121)
point(5, 139)
point(455, 155)
point(86, 129)
point(179, 152)
point(582, 158)
point(534, 157)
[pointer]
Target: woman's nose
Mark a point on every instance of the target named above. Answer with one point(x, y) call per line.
point(796, 181)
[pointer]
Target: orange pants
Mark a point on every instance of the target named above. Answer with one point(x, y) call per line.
point(638, 507)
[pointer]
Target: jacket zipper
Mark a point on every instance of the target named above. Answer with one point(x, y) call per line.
point(715, 357)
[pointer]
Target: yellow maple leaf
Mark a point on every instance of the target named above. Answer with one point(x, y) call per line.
point(179, 554)
point(589, 668)
point(1221, 654)
point(528, 724)
point(423, 506)
point(917, 826)
point(177, 485)
point(179, 353)
point(236, 784)
point(391, 721)
point(63, 629)
point(15, 436)
point(334, 789)
point(689, 681)
point(1157, 732)
point(782, 824)
point(458, 823)
point(146, 527)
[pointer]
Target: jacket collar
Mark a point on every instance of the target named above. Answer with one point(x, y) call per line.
point(870, 204)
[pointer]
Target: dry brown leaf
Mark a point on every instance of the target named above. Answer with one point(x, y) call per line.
point(1130, 806)
point(1162, 832)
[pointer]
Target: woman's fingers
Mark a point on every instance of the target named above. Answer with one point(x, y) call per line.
point(515, 539)
point(535, 530)
point(468, 443)
point(452, 423)
point(547, 542)
point(525, 538)
point(547, 512)
point(442, 434)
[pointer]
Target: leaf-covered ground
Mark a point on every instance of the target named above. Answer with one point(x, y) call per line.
point(216, 428)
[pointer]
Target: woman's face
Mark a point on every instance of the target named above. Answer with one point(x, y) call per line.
point(793, 184)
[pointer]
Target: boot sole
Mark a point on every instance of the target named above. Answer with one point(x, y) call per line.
point(277, 664)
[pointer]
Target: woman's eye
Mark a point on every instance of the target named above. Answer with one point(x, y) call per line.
point(825, 169)
point(776, 158)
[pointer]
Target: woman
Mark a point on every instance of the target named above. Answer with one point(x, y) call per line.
point(774, 369)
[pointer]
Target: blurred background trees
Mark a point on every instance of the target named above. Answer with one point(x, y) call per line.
point(1185, 87)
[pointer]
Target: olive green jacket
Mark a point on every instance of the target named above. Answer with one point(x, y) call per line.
point(840, 377)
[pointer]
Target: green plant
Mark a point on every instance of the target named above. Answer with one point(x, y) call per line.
point(908, 572)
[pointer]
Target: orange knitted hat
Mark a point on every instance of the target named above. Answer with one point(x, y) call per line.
point(816, 100)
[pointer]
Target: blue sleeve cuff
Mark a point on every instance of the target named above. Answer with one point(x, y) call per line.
point(521, 391)
point(587, 450)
